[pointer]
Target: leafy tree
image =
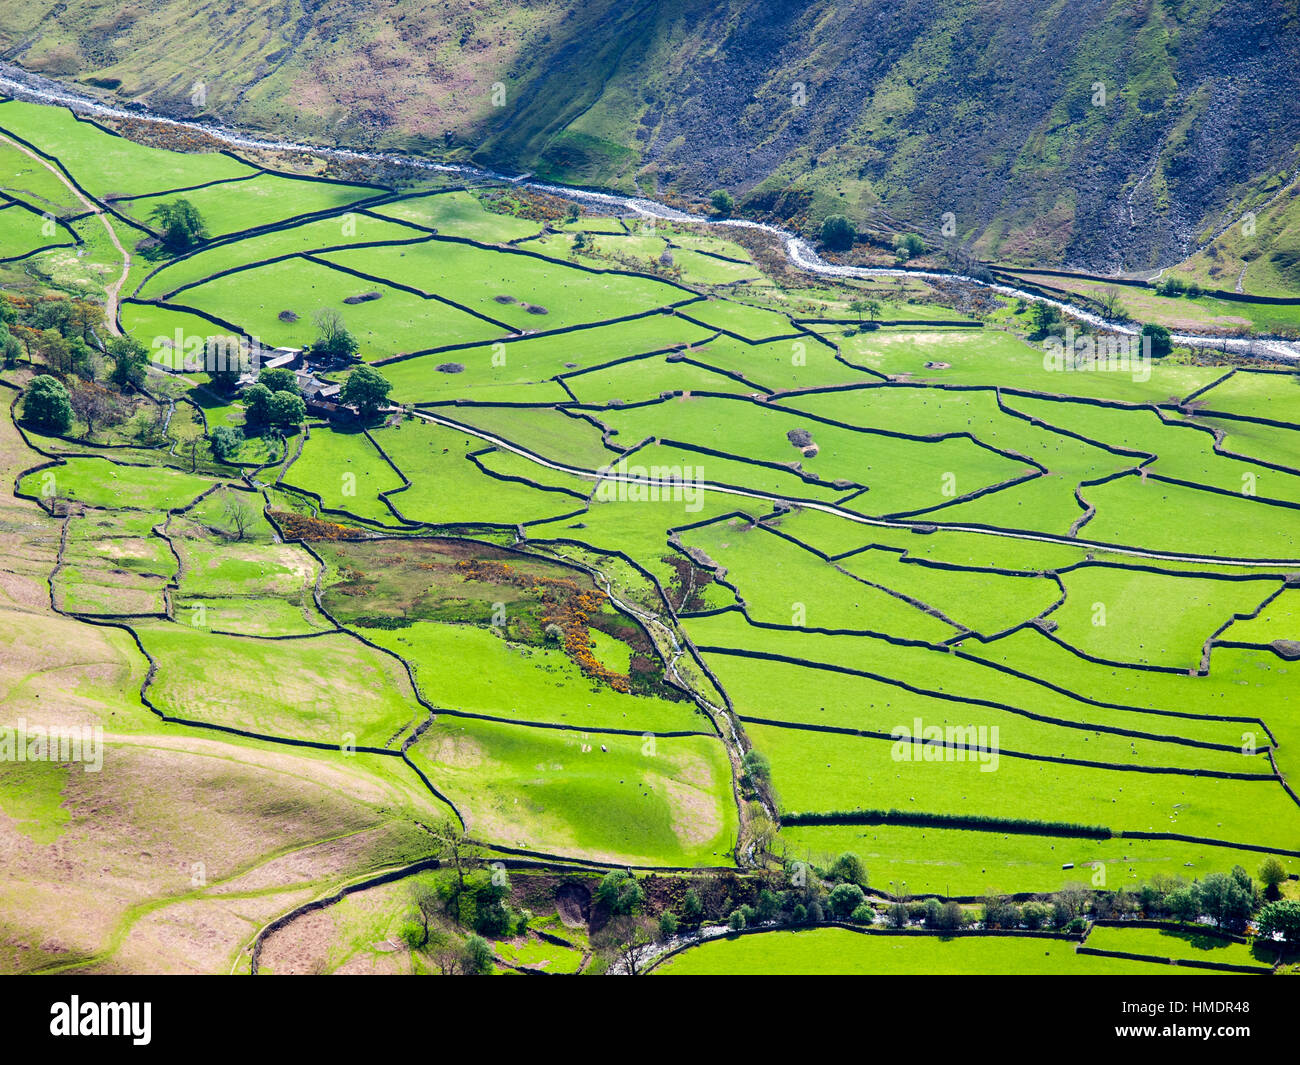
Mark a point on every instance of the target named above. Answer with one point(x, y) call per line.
point(332, 336)
point(366, 389)
point(838, 233)
point(1044, 318)
point(11, 348)
point(1035, 914)
point(769, 905)
point(257, 403)
point(1281, 918)
point(477, 956)
point(1272, 873)
point(1226, 900)
point(129, 358)
point(224, 441)
point(46, 405)
point(896, 915)
point(667, 925)
point(1161, 343)
point(850, 868)
point(736, 922)
point(1185, 903)
point(845, 898)
point(1000, 913)
point(620, 892)
point(180, 224)
point(279, 379)
point(722, 203)
point(286, 408)
point(692, 907)
point(864, 914)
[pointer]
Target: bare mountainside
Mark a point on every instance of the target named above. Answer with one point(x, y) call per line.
point(1107, 135)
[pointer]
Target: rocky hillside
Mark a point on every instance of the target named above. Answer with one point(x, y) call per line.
point(1107, 134)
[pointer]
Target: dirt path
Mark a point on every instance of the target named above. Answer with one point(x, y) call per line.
point(111, 291)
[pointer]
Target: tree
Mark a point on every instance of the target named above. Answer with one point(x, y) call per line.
point(477, 956)
point(722, 203)
point(620, 892)
point(1111, 307)
point(1281, 918)
point(1035, 914)
point(225, 362)
point(838, 233)
point(624, 939)
point(1044, 317)
point(427, 905)
point(333, 338)
point(667, 926)
point(279, 379)
point(457, 850)
point(896, 915)
point(1226, 900)
point(180, 224)
point(850, 868)
point(1184, 903)
point(950, 917)
point(845, 898)
point(129, 358)
point(11, 348)
point(1000, 913)
point(53, 347)
point(1161, 343)
point(285, 408)
point(692, 907)
point(46, 405)
point(737, 921)
point(257, 404)
point(224, 441)
point(858, 307)
point(366, 389)
point(873, 309)
point(95, 406)
point(1271, 873)
point(239, 516)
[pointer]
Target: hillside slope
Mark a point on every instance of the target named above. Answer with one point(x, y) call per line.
point(1108, 134)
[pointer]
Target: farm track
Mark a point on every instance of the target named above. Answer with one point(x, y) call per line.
point(113, 289)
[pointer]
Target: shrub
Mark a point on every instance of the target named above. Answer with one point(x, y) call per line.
point(667, 925)
point(1161, 343)
point(620, 892)
point(863, 914)
point(722, 203)
point(736, 922)
point(845, 898)
point(838, 233)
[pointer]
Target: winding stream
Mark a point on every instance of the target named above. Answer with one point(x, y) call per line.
point(32, 87)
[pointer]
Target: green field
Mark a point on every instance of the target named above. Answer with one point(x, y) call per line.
point(651, 559)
